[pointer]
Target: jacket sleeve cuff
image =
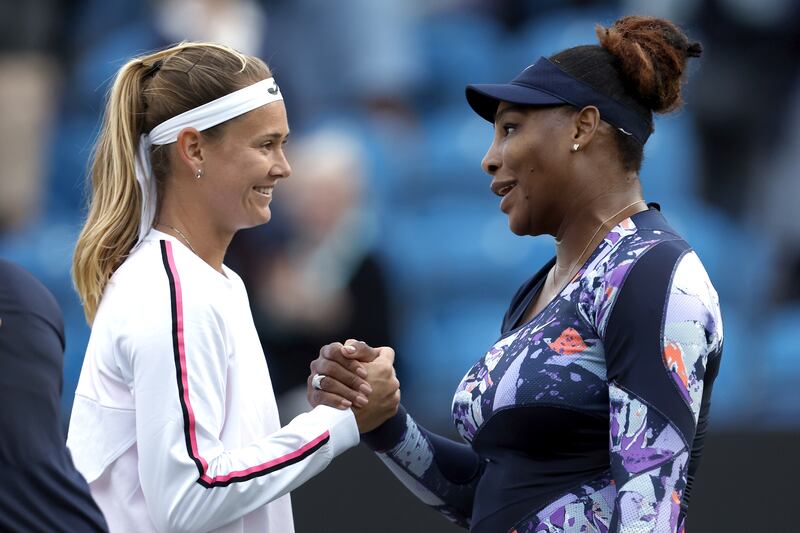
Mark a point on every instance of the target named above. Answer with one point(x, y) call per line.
point(341, 425)
point(387, 435)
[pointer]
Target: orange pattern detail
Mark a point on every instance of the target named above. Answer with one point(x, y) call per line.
point(568, 343)
point(674, 358)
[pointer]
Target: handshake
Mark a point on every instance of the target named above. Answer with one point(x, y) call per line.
point(355, 375)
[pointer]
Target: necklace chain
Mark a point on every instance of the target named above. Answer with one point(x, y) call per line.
point(179, 232)
point(601, 226)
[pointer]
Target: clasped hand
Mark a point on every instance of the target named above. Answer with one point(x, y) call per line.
point(356, 376)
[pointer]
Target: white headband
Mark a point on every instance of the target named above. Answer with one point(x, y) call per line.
point(201, 118)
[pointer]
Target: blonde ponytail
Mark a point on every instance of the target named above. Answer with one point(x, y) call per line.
point(136, 103)
point(112, 225)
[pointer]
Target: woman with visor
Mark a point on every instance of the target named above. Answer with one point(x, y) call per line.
point(588, 413)
point(174, 424)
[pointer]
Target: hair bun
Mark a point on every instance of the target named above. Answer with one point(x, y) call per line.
point(652, 56)
point(694, 50)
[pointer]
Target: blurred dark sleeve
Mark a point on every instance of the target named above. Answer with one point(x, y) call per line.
point(372, 321)
point(42, 491)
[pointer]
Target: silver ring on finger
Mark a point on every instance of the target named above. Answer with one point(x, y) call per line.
point(316, 381)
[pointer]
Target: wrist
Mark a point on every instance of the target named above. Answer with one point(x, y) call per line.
point(387, 434)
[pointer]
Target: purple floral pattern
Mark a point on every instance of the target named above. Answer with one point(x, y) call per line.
point(585, 510)
point(558, 360)
point(542, 360)
point(692, 329)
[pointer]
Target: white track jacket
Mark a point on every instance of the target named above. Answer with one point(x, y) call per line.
point(174, 423)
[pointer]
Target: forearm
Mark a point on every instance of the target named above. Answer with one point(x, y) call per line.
point(188, 489)
point(441, 473)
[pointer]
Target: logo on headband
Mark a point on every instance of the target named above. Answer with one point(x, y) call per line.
point(273, 89)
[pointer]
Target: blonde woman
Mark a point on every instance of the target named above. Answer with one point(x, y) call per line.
point(174, 423)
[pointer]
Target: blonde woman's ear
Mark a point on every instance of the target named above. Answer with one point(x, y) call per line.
point(189, 146)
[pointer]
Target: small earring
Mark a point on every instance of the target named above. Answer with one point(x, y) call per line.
point(199, 173)
point(575, 147)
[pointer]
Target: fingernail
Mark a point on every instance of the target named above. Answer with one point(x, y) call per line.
point(362, 372)
point(346, 404)
point(362, 400)
point(365, 388)
point(350, 349)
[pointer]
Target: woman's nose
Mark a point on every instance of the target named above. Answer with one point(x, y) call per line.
point(281, 168)
point(491, 162)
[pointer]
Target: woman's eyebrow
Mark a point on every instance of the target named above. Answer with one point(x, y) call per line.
point(272, 136)
point(509, 109)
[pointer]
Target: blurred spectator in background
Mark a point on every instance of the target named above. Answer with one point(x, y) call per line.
point(28, 76)
point(322, 281)
point(237, 23)
point(347, 54)
point(773, 203)
point(750, 67)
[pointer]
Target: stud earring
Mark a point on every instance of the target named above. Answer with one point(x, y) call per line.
point(575, 147)
point(199, 173)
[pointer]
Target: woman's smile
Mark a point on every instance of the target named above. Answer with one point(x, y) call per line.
point(264, 191)
point(507, 193)
point(503, 189)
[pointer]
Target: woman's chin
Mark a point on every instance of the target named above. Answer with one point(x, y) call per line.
point(516, 226)
point(264, 215)
point(257, 219)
